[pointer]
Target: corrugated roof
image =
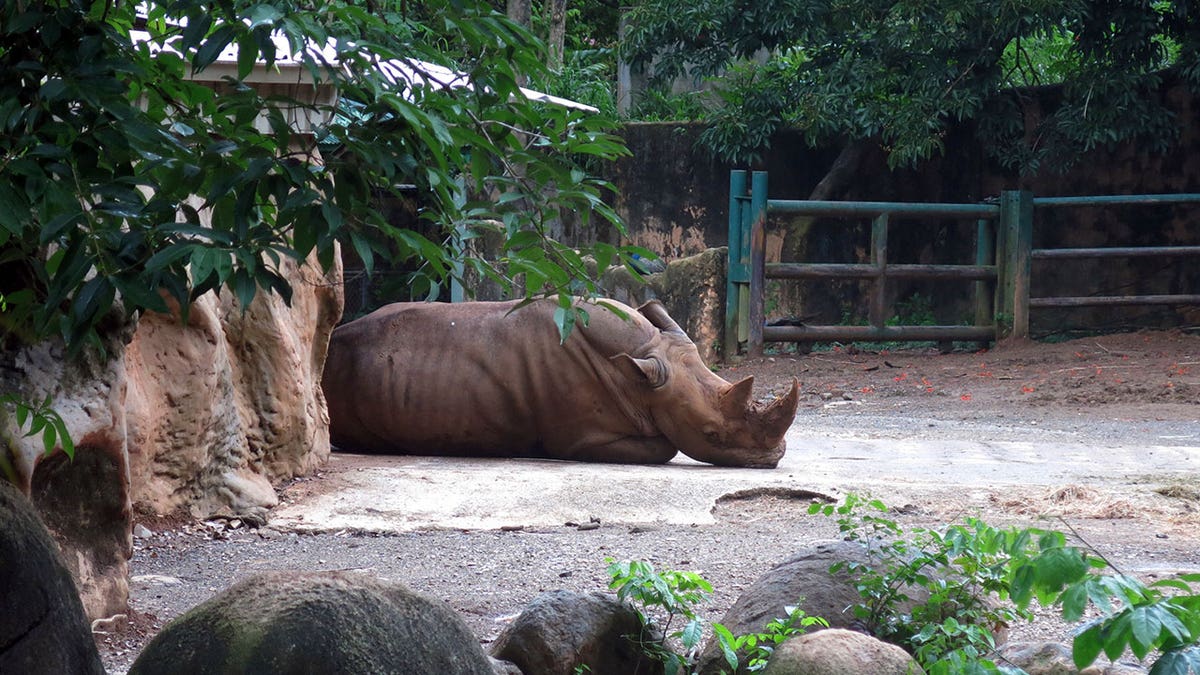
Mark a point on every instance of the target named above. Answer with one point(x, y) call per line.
point(288, 67)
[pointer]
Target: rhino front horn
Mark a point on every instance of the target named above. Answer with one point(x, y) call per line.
point(777, 417)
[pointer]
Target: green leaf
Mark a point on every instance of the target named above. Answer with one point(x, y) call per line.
point(247, 54)
point(263, 15)
point(212, 47)
point(691, 634)
point(1117, 633)
point(244, 288)
point(49, 438)
point(727, 643)
point(64, 437)
point(1074, 601)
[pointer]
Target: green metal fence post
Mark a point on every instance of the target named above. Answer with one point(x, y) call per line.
point(735, 274)
point(758, 255)
point(877, 311)
point(1016, 218)
point(985, 254)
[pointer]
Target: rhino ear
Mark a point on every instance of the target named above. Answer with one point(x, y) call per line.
point(651, 371)
point(736, 399)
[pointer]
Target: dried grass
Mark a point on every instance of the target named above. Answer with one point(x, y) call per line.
point(1080, 501)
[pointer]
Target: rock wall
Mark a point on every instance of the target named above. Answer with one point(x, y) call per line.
point(203, 416)
point(692, 289)
point(224, 405)
point(85, 502)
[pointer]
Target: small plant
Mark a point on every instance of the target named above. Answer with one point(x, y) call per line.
point(676, 594)
point(1134, 616)
point(960, 570)
point(951, 631)
point(41, 419)
point(760, 646)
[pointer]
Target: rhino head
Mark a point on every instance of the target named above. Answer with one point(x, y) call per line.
point(705, 417)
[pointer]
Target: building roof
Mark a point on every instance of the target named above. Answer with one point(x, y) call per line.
point(289, 68)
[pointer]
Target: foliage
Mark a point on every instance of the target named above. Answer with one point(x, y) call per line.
point(1163, 617)
point(673, 592)
point(900, 73)
point(656, 106)
point(587, 77)
point(676, 593)
point(964, 566)
point(961, 570)
point(760, 646)
point(126, 183)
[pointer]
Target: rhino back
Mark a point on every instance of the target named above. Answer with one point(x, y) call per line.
point(476, 378)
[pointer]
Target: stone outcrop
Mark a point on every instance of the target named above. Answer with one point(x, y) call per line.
point(224, 405)
point(840, 652)
point(693, 290)
point(319, 622)
point(202, 416)
point(42, 627)
point(561, 631)
point(85, 501)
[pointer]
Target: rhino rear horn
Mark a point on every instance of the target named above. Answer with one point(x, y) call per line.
point(657, 314)
point(777, 417)
point(736, 399)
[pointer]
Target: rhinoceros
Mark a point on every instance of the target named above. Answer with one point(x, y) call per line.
point(492, 379)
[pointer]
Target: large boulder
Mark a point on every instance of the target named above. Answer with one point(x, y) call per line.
point(317, 622)
point(840, 652)
point(42, 628)
point(562, 631)
point(803, 581)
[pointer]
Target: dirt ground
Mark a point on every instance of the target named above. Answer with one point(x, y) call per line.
point(1136, 395)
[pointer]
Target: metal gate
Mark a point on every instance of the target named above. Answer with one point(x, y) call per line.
point(1001, 272)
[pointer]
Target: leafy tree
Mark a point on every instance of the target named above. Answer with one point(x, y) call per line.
point(125, 183)
point(899, 73)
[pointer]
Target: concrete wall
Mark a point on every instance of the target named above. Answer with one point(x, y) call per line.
point(674, 197)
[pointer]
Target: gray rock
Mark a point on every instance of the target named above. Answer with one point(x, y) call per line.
point(803, 581)
point(840, 652)
point(318, 622)
point(43, 628)
point(562, 630)
point(1052, 658)
point(502, 667)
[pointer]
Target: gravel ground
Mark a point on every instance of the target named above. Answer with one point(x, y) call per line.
point(1133, 391)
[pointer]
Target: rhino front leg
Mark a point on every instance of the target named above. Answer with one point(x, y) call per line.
point(630, 450)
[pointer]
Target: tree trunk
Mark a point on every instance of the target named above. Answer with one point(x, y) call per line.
point(558, 33)
point(838, 178)
point(520, 12)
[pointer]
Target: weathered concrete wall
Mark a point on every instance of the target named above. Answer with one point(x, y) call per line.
point(674, 197)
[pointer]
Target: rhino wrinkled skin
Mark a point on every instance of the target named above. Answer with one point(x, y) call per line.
point(491, 379)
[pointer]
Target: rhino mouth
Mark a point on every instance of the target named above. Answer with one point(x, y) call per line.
point(753, 458)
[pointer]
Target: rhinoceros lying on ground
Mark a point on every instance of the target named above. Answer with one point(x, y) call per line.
point(491, 379)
